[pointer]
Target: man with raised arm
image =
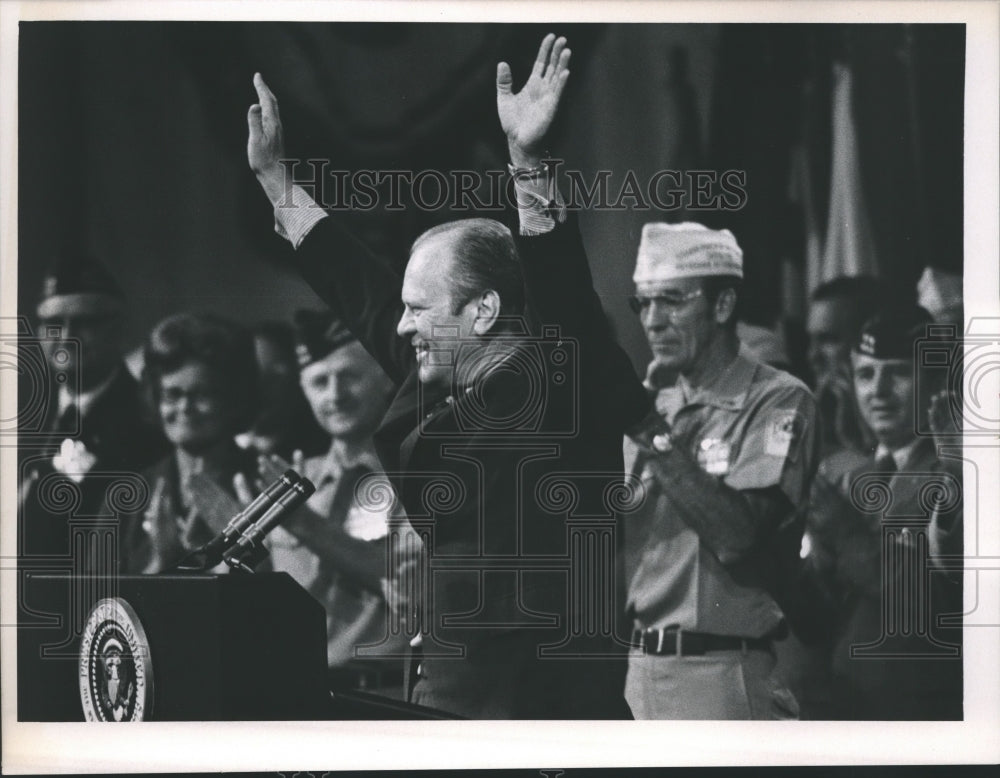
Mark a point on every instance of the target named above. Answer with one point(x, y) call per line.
point(496, 439)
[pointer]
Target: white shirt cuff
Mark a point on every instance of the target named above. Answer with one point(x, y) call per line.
point(293, 220)
point(539, 204)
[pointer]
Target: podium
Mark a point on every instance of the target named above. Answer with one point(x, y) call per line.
point(193, 647)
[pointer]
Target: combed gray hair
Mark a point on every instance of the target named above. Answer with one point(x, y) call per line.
point(485, 258)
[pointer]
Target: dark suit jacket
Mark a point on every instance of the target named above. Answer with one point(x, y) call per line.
point(480, 471)
point(116, 430)
point(871, 597)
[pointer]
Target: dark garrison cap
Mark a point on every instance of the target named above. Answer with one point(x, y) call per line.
point(317, 334)
point(79, 285)
point(892, 332)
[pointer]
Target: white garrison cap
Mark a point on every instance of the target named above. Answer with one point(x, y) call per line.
point(670, 251)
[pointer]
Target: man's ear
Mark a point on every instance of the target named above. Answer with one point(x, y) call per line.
point(725, 305)
point(487, 312)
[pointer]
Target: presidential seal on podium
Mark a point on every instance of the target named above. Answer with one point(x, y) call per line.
point(115, 669)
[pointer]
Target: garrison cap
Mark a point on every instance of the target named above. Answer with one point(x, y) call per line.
point(317, 334)
point(892, 332)
point(685, 250)
point(78, 285)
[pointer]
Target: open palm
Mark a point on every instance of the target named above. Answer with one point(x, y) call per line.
point(526, 116)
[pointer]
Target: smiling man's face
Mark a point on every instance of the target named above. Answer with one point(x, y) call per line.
point(433, 321)
point(886, 395)
point(347, 391)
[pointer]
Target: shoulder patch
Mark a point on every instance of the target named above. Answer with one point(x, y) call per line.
point(784, 431)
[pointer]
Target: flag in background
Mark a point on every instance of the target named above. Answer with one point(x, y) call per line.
point(849, 248)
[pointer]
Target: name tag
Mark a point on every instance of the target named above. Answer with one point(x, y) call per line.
point(713, 456)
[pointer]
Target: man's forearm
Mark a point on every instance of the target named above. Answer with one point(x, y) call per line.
point(276, 182)
point(523, 158)
point(722, 517)
point(359, 560)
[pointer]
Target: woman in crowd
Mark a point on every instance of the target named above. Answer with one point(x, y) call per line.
point(200, 378)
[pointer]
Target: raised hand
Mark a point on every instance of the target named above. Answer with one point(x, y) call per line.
point(526, 116)
point(265, 142)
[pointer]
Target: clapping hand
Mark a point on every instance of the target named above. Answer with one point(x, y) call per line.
point(271, 467)
point(169, 533)
point(526, 116)
point(304, 521)
point(940, 416)
point(946, 430)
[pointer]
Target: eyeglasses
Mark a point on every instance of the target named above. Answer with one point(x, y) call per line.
point(200, 398)
point(670, 303)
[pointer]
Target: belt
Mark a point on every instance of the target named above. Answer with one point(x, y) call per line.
point(681, 643)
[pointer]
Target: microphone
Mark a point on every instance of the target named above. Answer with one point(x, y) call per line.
point(249, 549)
point(211, 553)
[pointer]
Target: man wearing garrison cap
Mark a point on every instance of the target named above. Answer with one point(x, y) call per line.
point(94, 422)
point(726, 462)
point(335, 546)
point(876, 539)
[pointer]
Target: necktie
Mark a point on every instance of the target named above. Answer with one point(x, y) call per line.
point(885, 464)
point(69, 421)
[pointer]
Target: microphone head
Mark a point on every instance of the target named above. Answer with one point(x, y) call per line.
point(284, 482)
point(247, 551)
point(305, 487)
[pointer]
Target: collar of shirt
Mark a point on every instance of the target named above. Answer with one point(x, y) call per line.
point(728, 390)
point(511, 350)
point(84, 400)
point(899, 455)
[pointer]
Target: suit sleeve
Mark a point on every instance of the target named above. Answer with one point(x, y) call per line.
point(360, 288)
point(560, 290)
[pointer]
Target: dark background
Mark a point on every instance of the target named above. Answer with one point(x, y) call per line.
point(132, 142)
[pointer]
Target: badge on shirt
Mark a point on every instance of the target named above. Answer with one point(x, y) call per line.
point(784, 430)
point(713, 456)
